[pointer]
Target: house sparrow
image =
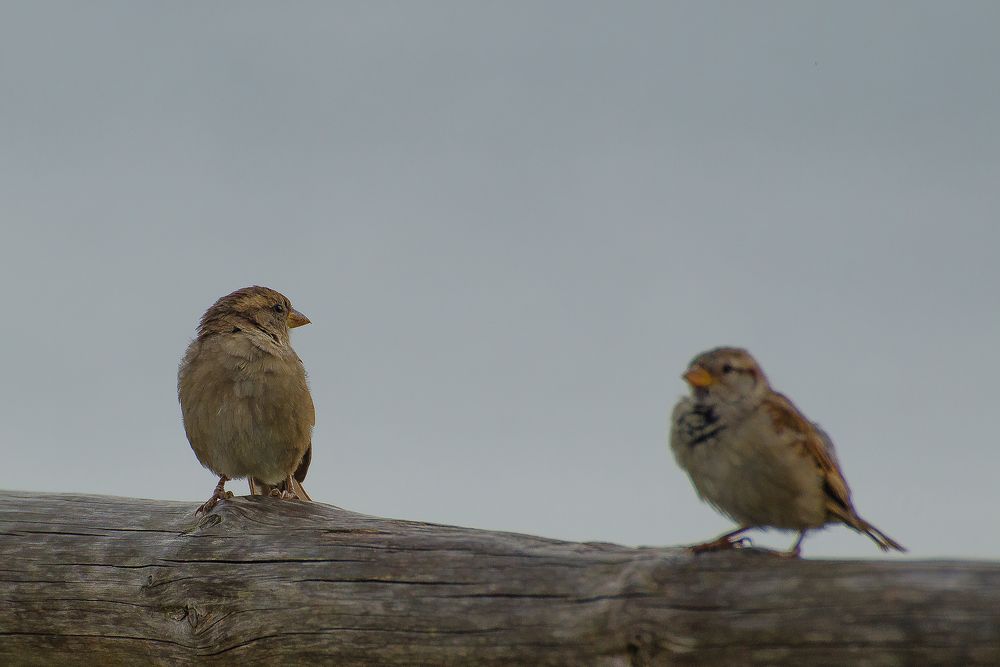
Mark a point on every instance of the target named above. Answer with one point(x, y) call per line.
point(244, 398)
point(753, 456)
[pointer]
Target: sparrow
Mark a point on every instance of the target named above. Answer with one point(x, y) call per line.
point(244, 398)
point(753, 456)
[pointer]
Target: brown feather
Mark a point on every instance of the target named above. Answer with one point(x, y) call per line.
point(818, 446)
point(244, 394)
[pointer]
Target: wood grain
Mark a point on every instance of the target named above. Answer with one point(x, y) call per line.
point(121, 581)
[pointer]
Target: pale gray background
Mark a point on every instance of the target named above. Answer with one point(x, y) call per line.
point(512, 225)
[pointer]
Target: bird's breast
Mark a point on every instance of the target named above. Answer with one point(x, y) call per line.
point(245, 412)
point(699, 425)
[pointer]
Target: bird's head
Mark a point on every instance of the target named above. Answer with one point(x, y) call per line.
point(726, 375)
point(254, 310)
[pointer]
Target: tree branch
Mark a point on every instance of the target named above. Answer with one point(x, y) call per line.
point(104, 580)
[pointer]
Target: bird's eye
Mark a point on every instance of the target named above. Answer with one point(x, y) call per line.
point(728, 368)
point(279, 308)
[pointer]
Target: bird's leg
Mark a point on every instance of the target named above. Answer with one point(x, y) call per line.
point(259, 488)
point(724, 542)
point(288, 492)
point(796, 548)
point(220, 493)
point(285, 492)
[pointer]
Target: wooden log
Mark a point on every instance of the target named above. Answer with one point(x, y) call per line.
point(98, 580)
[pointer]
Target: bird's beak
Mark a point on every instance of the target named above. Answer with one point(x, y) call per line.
point(296, 319)
point(698, 377)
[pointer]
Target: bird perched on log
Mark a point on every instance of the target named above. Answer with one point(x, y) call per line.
point(752, 455)
point(244, 399)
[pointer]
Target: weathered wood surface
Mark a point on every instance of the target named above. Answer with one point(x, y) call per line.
point(120, 581)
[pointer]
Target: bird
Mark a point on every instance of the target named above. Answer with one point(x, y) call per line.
point(244, 397)
point(752, 455)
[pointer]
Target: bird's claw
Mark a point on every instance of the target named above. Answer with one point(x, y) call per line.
point(220, 493)
point(724, 543)
point(209, 504)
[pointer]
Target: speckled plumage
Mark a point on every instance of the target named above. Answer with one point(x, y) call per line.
point(244, 397)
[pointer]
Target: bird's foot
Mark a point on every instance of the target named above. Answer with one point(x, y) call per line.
point(284, 494)
point(219, 494)
point(796, 548)
point(724, 543)
point(207, 506)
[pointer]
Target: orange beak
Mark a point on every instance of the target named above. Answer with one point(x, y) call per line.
point(698, 377)
point(296, 319)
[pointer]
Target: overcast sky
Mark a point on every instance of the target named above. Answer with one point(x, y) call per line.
point(512, 225)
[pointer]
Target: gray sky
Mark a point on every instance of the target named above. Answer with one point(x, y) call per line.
point(512, 225)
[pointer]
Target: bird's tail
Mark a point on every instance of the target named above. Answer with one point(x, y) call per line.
point(884, 542)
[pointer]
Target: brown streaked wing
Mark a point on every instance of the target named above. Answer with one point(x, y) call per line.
point(815, 443)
